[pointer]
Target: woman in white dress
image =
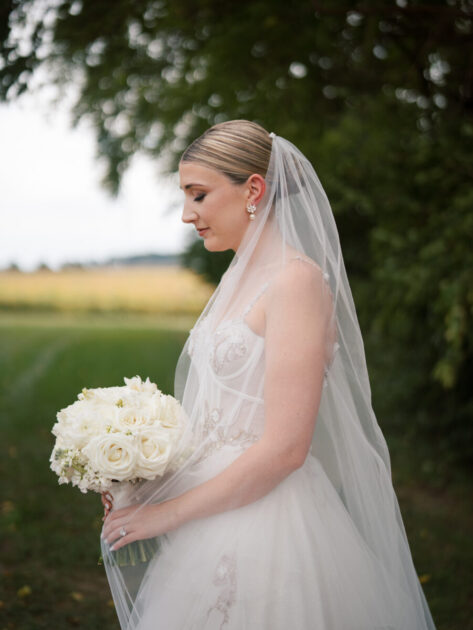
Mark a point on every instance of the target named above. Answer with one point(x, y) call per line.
point(283, 515)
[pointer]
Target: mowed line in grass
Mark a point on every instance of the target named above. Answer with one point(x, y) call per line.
point(25, 382)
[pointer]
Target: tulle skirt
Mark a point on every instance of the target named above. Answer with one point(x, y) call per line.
point(292, 560)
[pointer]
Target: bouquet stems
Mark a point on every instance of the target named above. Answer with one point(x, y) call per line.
point(136, 552)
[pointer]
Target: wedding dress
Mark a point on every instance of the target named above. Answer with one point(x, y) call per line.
point(292, 559)
point(326, 548)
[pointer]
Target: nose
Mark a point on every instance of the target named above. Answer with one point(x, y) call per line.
point(189, 215)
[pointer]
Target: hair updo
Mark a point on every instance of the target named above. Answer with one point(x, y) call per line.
point(236, 148)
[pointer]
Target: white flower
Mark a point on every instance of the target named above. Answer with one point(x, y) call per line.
point(118, 434)
point(100, 394)
point(70, 465)
point(77, 424)
point(141, 386)
point(131, 419)
point(171, 412)
point(155, 447)
point(113, 455)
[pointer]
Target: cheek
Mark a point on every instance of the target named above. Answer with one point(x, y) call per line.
point(215, 212)
point(225, 212)
point(231, 210)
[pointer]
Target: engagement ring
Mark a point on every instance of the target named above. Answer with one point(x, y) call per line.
point(122, 532)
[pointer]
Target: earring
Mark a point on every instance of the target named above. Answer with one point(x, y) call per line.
point(251, 209)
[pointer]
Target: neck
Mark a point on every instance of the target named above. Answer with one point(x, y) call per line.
point(269, 243)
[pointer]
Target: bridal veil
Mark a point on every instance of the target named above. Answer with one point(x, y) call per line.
point(293, 219)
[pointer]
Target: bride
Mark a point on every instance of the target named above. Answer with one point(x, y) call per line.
point(283, 515)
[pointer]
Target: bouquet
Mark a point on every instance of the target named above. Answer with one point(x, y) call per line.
point(114, 437)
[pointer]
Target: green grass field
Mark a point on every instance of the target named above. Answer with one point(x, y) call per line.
point(49, 533)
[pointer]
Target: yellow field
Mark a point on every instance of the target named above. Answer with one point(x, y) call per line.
point(152, 290)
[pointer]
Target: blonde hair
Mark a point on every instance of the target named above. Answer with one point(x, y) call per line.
point(236, 148)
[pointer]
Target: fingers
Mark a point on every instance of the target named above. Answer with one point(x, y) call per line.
point(107, 500)
point(122, 541)
point(113, 530)
point(108, 496)
point(114, 521)
point(108, 528)
point(106, 503)
point(116, 537)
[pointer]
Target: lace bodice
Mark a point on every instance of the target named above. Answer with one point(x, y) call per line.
point(232, 358)
point(233, 343)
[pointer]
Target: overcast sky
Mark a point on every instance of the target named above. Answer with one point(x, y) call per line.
point(52, 207)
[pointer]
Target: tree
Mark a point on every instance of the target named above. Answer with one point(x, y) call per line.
point(12, 267)
point(153, 74)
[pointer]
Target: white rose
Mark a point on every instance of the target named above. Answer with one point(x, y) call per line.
point(171, 412)
point(155, 448)
point(131, 420)
point(78, 423)
point(113, 455)
point(155, 406)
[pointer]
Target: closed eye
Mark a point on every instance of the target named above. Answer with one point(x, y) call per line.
point(200, 197)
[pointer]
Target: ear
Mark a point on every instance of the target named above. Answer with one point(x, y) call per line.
point(256, 187)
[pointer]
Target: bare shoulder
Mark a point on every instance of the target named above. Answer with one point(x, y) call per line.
point(298, 296)
point(299, 276)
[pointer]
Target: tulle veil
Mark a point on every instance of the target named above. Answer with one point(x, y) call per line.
point(294, 220)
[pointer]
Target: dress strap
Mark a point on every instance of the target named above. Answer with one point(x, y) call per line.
point(311, 262)
point(266, 284)
point(255, 299)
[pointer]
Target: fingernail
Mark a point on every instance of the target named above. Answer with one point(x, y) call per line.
point(112, 548)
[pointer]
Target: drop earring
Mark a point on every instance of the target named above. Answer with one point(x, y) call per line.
point(251, 210)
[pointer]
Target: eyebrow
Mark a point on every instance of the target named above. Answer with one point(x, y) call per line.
point(190, 186)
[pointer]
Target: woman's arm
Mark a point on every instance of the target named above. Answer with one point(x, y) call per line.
point(294, 370)
point(295, 340)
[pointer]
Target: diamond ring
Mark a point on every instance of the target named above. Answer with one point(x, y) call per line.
point(122, 532)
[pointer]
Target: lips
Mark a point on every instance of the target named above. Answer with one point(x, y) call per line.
point(201, 230)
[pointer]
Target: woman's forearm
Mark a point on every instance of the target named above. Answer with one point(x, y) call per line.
point(251, 476)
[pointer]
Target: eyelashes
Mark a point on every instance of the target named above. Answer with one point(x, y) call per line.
point(200, 197)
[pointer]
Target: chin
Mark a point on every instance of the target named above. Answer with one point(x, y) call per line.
point(214, 247)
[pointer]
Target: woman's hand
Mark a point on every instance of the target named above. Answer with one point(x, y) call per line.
point(149, 521)
point(107, 502)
